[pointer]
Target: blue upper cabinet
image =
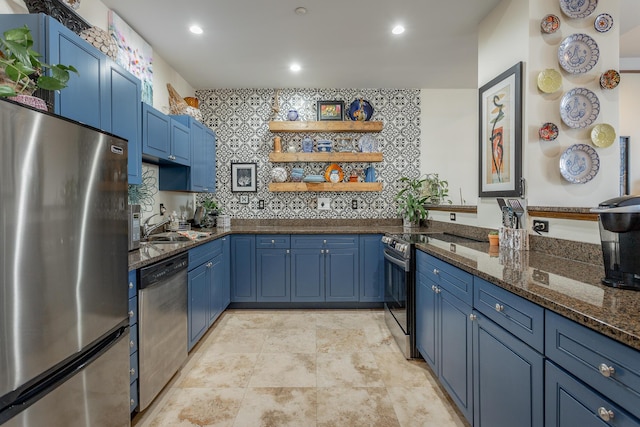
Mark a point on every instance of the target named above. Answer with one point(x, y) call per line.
point(125, 115)
point(209, 165)
point(180, 143)
point(155, 133)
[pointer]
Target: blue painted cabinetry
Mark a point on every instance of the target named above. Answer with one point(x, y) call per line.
point(371, 268)
point(207, 282)
point(444, 327)
point(133, 340)
point(164, 140)
point(273, 263)
point(243, 268)
point(102, 94)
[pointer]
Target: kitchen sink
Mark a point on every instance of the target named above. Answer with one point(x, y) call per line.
point(168, 237)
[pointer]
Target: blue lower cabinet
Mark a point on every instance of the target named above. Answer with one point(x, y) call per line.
point(508, 378)
point(216, 288)
point(427, 323)
point(274, 275)
point(198, 303)
point(341, 274)
point(226, 274)
point(243, 268)
point(371, 268)
point(133, 338)
point(571, 403)
point(133, 396)
point(307, 275)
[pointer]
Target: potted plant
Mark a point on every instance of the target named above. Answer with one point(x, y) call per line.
point(211, 211)
point(435, 189)
point(22, 72)
point(494, 240)
point(411, 201)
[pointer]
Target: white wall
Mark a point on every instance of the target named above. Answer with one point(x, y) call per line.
point(630, 123)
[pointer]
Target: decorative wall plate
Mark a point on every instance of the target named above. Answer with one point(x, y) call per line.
point(368, 144)
point(609, 79)
point(579, 164)
point(603, 135)
point(603, 22)
point(550, 24)
point(548, 132)
point(334, 167)
point(578, 53)
point(578, 8)
point(360, 110)
point(549, 80)
point(579, 108)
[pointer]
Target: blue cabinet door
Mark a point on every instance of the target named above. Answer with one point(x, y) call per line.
point(210, 161)
point(427, 323)
point(341, 274)
point(508, 378)
point(216, 301)
point(371, 268)
point(125, 115)
point(199, 280)
point(307, 275)
point(226, 275)
point(456, 340)
point(198, 156)
point(85, 98)
point(243, 268)
point(155, 133)
point(180, 143)
point(274, 273)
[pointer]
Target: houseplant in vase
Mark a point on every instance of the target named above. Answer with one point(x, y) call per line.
point(411, 201)
point(436, 190)
point(22, 72)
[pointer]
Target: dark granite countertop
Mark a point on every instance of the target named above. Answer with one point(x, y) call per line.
point(567, 287)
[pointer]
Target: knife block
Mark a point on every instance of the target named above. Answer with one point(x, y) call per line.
point(514, 238)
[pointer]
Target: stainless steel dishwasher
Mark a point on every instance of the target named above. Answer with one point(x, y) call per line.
point(162, 319)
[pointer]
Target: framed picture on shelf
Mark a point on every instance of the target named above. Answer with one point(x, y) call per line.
point(330, 110)
point(500, 135)
point(244, 178)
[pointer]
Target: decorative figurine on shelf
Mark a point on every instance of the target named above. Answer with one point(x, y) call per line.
point(277, 144)
point(370, 174)
point(354, 176)
point(307, 145)
point(291, 148)
point(292, 115)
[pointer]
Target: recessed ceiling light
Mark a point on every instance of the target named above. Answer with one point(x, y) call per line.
point(398, 29)
point(295, 68)
point(195, 29)
point(301, 10)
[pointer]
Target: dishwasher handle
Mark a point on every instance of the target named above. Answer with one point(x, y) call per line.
point(163, 270)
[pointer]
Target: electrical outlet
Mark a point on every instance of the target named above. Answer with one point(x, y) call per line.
point(354, 204)
point(452, 216)
point(324, 203)
point(162, 209)
point(541, 226)
point(260, 204)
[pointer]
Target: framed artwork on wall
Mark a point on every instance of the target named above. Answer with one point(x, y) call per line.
point(244, 177)
point(500, 135)
point(330, 110)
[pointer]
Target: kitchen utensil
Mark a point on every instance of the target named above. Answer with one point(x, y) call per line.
point(198, 216)
point(507, 217)
point(501, 202)
point(518, 210)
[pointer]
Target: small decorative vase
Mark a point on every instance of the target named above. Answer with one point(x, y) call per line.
point(307, 145)
point(292, 115)
point(31, 101)
point(406, 223)
point(277, 144)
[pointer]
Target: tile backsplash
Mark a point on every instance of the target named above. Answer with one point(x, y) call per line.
point(240, 118)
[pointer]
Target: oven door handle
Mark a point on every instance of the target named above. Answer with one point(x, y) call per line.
point(404, 264)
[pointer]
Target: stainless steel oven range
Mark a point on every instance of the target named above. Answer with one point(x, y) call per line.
point(400, 290)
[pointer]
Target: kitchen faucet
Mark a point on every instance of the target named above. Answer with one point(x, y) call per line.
point(148, 229)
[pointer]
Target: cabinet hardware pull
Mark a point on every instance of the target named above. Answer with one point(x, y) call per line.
point(473, 317)
point(324, 242)
point(606, 370)
point(327, 251)
point(438, 290)
point(130, 285)
point(132, 402)
point(605, 414)
point(321, 251)
point(436, 271)
point(433, 288)
point(132, 344)
point(132, 372)
point(288, 251)
point(131, 313)
point(499, 308)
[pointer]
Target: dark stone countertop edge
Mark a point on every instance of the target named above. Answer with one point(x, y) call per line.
point(618, 333)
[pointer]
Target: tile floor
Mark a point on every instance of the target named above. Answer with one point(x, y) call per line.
point(300, 368)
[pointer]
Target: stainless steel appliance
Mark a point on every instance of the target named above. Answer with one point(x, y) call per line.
point(64, 357)
point(134, 227)
point(619, 220)
point(162, 319)
point(399, 290)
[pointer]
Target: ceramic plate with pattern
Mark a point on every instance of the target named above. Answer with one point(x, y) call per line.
point(578, 53)
point(609, 79)
point(603, 22)
point(550, 24)
point(579, 108)
point(579, 164)
point(578, 8)
point(603, 135)
point(548, 132)
point(549, 80)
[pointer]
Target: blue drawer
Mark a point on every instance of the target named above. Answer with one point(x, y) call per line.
point(204, 252)
point(133, 310)
point(522, 318)
point(273, 241)
point(133, 396)
point(457, 282)
point(331, 241)
point(133, 367)
point(133, 338)
point(589, 356)
point(133, 284)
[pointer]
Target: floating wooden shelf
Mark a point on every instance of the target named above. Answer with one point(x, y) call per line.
point(325, 186)
point(325, 157)
point(325, 126)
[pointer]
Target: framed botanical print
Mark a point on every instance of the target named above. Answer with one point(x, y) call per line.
point(243, 177)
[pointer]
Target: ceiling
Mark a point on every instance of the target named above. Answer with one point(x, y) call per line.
point(339, 44)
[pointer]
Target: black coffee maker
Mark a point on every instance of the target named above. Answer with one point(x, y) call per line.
point(620, 237)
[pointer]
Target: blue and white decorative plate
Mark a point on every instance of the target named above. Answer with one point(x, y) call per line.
point(603, 22)
point(579, 108)
point(368, 144)
point(360, 110)
point(579, 164)
point(578, 8)
point(314, 178)
point(578, 53)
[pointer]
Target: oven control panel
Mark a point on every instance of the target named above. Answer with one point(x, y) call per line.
point(396, 245)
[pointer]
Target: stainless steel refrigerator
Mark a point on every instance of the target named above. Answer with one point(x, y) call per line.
point(64, 354)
